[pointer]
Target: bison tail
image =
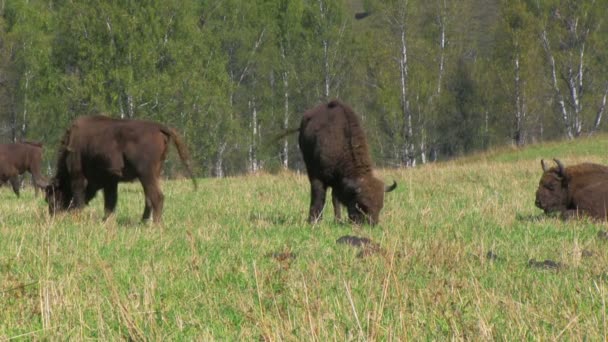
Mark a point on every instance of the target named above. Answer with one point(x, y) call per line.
point(285, 133)
point(182, 150)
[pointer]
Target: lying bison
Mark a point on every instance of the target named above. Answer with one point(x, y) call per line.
point(16, 159)
point(98, 152)
point(574, 191)
point(335, 151)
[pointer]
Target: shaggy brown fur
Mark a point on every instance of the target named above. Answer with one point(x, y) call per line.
point(16, 159)
point(98, 152)
point(574, 191)
point(335, 150)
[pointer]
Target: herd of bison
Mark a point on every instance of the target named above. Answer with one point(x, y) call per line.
point(97, 152)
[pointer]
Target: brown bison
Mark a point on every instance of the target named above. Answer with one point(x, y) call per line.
point(574, 191)
point(336, 155)
point(98, 152)
point(19, 157)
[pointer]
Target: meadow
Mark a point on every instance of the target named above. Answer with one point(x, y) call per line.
point(236, 260)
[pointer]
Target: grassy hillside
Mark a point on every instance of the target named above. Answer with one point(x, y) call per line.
point(236, 260)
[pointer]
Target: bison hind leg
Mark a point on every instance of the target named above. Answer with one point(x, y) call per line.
point(318, 191)
point(154, 199)
point(110, 197)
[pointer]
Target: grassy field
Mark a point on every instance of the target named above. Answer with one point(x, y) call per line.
point(237, 261)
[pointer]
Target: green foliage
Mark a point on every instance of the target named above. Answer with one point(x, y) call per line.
point(231, 75)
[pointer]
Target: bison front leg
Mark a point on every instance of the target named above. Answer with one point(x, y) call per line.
point(110, 197)
point(78, 182)
point(317, 200)
point(78, 188)
point(337, 205)
point(15, 183)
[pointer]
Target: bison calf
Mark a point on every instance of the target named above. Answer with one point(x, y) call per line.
point(574, 191)
point(16, 159)
point(98, 152)
point(335, 151)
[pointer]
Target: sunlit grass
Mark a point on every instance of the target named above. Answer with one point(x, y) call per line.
point(211, 270)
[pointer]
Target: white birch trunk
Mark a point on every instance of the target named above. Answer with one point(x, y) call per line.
point(286, 118)
point(566, 117)
point(130, 106)
point(219, 162)
point(520, 113)
point(600, 112)
point(327, 78)
point(326, 64)
point(442, 45)
point(253, 159)
point(23, 123)
point(408, 157)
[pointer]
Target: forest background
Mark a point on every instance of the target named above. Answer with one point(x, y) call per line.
point(431, 80)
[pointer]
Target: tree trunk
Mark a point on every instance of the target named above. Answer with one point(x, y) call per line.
point(24, 122)
point(219, 162)
point(253, 158)
point(566, 117)
point(442, 45)
point(285, 154)
point(408, 158)
point(520, 111)
point(327, 78)
point(600, 112)
point(326, 65)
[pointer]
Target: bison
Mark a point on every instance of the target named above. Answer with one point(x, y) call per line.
point(578, 190)
point(16, 158)
point(336, 154)
point(97, 152)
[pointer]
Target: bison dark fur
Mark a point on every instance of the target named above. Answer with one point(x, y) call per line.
point(336, 154)
point(98, 152)
point(573, 191)
point(16, 159)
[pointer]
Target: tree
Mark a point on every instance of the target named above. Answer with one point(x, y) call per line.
point(570, 33)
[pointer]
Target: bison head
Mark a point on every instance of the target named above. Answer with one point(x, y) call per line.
point(552, 192)
point(58, 198)
point(366, 196)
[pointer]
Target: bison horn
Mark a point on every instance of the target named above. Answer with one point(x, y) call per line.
point(391, 187)
point(542, 163)
point(560, 166)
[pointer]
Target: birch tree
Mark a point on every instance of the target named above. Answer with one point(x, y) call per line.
point(517, 25)
point(568, 39)
point(395, 14)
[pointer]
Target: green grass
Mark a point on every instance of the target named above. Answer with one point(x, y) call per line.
point(208, 272)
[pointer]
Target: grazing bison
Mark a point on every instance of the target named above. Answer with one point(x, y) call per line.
point(575, 190)
point(17, 158)
point(335, 151)
point(98, 152)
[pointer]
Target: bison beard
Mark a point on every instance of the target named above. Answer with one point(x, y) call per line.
point(578, 190)
point(98, 152)
point(335, 151)
point(16, 159)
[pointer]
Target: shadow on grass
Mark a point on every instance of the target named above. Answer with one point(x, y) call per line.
point(279, 219)
point(535, 217)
